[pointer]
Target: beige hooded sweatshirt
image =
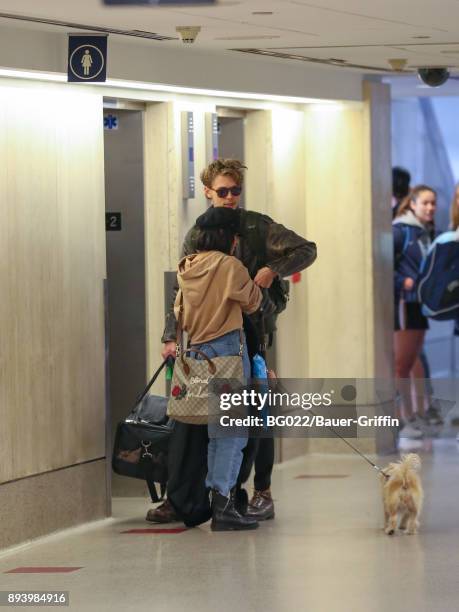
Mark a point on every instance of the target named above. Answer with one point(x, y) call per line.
point(216, 290)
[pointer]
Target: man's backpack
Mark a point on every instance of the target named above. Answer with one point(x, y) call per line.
point(438, 286)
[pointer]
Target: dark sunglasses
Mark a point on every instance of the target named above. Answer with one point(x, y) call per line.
point(222, 192)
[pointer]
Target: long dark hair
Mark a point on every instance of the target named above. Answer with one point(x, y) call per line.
point(215, 239)
point(400, 183)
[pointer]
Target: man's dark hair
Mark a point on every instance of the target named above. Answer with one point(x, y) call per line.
point(401, 179)
point(215, 239)
point(224, 167)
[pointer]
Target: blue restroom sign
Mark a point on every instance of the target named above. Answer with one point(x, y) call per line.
point(87, 58)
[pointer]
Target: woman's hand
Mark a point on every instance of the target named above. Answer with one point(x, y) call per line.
point(408, 284)
point(264, 277)
point(169, 350)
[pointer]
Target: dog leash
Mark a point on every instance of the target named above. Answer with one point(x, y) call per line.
point(373, 465)
point(377, 468)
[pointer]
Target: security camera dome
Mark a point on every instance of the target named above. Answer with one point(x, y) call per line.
point(433, 77)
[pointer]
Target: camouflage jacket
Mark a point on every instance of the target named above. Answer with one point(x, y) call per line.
point(262, 242)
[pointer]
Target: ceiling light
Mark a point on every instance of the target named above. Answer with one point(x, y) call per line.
point(262, 13)
point(188, 33)
point(160, 88)
point(397, 64)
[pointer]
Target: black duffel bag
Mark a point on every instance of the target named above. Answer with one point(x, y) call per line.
point(142, 440)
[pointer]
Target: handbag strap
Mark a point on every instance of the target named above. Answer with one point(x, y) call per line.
point(151, 484)
point(186, 367)
point(179, 339)
point(168, 361)
point(241, 343)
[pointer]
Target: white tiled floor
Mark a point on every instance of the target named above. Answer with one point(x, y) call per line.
point(324, 552)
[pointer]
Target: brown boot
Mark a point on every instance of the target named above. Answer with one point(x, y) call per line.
point(261, 506)
point(164, 513)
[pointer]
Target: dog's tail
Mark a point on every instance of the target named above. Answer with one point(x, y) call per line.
point(411, 461)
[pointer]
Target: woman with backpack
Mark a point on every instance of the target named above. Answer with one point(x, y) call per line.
point(413, 230)
point(215, 289)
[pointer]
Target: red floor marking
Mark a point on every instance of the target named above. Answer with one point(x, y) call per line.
point(172, 530)
point(43, 570)
point(322, 476)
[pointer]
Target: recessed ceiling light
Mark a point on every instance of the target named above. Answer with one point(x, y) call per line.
point(159, 87)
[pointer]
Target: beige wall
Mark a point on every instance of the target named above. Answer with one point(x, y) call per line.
point(324, 172)
point(275, 154)
point(52, 254)
point(378, 177)
point(339, 299)
point(162, 218)
point(348, 214)
point(349, 310)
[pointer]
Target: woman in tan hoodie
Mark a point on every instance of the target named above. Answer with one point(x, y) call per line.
point(215, 289)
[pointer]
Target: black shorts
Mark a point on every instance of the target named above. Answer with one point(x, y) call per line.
point(408, 315)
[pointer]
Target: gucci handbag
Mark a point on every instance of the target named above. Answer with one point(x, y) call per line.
point(196, 383)
point(142, 439)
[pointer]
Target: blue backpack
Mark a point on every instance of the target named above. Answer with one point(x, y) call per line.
point(438, 286)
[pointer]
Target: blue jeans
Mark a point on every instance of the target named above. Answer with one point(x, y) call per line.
point(224, 454)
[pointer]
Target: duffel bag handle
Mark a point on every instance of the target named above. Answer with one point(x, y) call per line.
point(168, 361)
point(186, 367)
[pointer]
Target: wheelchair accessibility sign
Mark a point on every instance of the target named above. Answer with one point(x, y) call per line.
point(87, 59)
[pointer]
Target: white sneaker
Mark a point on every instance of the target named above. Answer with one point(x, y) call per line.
point(408, 431)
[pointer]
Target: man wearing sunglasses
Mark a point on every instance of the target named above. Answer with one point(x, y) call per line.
point(270, 252)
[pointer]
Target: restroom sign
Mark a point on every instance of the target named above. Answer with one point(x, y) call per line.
point(87, 58)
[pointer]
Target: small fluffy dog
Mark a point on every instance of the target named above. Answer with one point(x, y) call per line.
point(402, 494)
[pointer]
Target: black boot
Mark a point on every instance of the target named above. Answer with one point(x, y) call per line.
point(241, 500)
point(225, 517)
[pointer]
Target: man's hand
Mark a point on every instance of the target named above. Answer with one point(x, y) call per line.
point(408, 284)
point(264, 277)
point(169, 350)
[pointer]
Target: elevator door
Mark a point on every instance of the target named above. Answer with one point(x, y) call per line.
point(231, 141)
point(124, 195)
